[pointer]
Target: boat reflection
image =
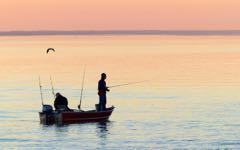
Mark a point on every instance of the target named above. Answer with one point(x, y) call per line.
point(103, 129)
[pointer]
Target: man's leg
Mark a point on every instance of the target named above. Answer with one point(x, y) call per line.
point(100, 105)
point(104, 102)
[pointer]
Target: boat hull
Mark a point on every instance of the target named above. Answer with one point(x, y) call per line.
point(75, 116)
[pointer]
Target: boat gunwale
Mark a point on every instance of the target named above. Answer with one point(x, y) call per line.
point(90, 111)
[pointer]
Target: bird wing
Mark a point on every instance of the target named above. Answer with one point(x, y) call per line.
point(50, 49)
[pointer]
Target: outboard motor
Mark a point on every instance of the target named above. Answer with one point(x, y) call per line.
point(47, 109)
point(47, 115)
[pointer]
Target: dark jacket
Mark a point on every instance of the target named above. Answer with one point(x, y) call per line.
point(102, 88)
point(60, 100)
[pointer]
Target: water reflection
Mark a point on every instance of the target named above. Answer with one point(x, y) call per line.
point(102, 128)
point(61, 128)
point(57, 129)
point(102, 131)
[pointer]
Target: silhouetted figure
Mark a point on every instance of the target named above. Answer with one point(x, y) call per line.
point(102, 90)
point(61, 103)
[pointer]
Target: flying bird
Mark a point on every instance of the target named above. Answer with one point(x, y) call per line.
point(50, 49)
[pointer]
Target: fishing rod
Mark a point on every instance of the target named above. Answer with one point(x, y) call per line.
point(40, 86)
point(130, 83)
point(52, 87)
point(84, 70)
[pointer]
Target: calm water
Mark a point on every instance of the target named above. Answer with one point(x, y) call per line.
point(190, 98)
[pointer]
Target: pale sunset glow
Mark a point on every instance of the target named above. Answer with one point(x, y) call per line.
point(119, 15)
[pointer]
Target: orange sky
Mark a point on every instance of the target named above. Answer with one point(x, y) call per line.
point(119, 14)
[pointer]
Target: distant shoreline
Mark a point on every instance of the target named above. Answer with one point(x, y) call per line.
point(124, 32)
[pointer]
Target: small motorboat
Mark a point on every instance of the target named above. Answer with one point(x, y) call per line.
point(48, 116)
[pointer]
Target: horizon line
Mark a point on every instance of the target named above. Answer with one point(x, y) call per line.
point(121, 32)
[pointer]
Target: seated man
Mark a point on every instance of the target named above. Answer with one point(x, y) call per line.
point(61, 103)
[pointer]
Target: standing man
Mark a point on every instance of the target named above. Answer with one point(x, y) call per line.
point(102, 90)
